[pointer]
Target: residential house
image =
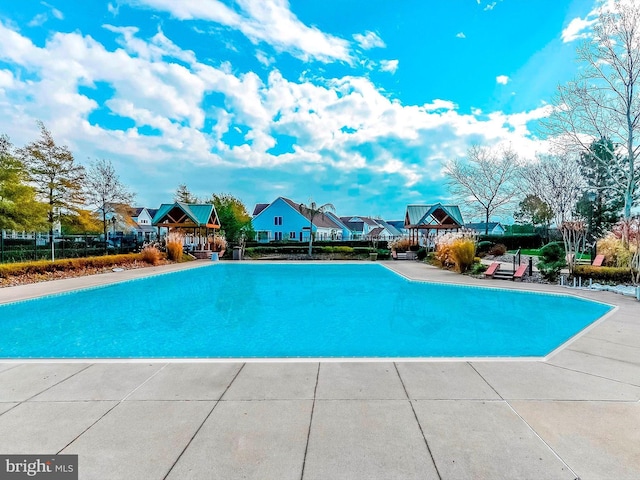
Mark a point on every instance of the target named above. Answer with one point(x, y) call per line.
point(399, 226)
point(359, 227)
point(143, 218)
point(493, 228)
point(389, 232)
point(284, 219)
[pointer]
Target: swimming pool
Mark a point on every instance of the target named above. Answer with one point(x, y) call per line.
point(245, 310)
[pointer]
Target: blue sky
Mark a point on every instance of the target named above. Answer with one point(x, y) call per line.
point(354, 102)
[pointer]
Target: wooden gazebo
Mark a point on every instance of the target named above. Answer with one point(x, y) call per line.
point(431, 220)
point(197, 221)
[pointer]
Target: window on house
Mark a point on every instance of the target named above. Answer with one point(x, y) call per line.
point(277, 235)
point(292, 235)
point(277, 220)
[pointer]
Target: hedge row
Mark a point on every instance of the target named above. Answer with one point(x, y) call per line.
point(44, 266)
point(513, 242)
point(303, 250)
point(603, 274)
point(382, 244)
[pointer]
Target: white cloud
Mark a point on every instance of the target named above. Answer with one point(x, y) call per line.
point(460, 35)
point(42, 18)
point(369, 40)
point(54, 11)
point(38, 20)
point(265, 59)
point(581, 28)
point(113, 9)
point(577, 29)
point(389, 66)
point(502, 79)
point(270, 22)
point(439, 104)
point(330, 120)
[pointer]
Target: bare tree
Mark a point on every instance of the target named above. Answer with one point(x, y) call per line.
point(105, 191)
point(557, 181)
point(603, 102)
point(486, 178)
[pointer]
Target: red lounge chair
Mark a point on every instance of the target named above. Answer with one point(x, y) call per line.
point(491, 270)
point(520, 272)
point(597, 262)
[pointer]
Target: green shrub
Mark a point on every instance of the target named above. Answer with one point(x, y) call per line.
point(604, 274)
point(421, 254)
point(477, 268)
point(384, 254)
point(483, 247)
point(551, 261)
point(513, 242)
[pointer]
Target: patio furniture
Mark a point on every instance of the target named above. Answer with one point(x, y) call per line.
point(491, 270)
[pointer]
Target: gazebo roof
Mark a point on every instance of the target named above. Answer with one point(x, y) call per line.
point(433, 216)
point(186, 215)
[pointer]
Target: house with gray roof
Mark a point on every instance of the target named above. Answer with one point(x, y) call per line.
point(284, 219)
point(482, 228)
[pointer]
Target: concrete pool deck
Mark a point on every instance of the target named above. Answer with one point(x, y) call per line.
point(574, 415)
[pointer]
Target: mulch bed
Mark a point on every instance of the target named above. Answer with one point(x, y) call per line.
point(15, 280)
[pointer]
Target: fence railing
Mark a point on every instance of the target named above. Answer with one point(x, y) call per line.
point(29, 246)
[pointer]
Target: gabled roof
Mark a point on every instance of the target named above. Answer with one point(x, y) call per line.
point(390, 228)
point(322, 221)
point(136, 211)
point(375, 232)
point(337, 220)
point(259, 208)
point(353, 226)
point(398, 224)
point(480, 226)
point(433, 215)
point(188, 215)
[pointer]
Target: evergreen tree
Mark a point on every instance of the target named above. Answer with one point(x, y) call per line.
point(183, 195)
point(605, 206)
point(57, 178)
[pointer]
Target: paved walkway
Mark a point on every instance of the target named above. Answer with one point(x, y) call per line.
point(577, 414)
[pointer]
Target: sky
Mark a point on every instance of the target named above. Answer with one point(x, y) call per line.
point(354, 102)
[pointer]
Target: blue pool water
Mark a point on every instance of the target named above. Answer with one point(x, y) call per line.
point(290, 310)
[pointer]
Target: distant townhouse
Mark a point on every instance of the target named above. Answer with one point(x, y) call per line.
point(367, 228)
point(143, 218)
point(284, 219)
point(360, 227)
point(493, 228)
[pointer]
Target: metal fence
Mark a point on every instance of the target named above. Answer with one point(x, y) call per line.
point(29, 246)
